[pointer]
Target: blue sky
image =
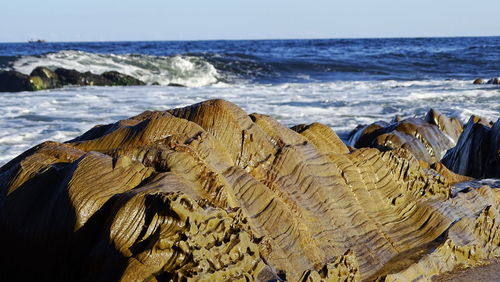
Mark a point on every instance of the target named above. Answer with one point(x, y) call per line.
point(109, 20)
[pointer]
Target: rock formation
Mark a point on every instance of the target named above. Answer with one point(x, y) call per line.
point(470, 150)
point(495, 80)
point(477, 152)
point(478, 81)
point(207, 192)
point(427, 139)
point(43, 78)
point(111, 78)
point(13, 81)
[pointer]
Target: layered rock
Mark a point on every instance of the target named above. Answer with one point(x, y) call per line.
point(471, 150)
point(464, 245)
point(477, 152)
point(427, 139)
point(209, 192)
point(87, 216)
point(43, 78)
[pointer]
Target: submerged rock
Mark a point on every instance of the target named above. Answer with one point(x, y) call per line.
point(208, 192)
point(477, 152)
point(176, 85)
point(478, 81)
point(39, 79)
point(494, 80)
point(12, 81)
point(43, 78)
point(121, 79)
point(111, 78)
point(73, 77)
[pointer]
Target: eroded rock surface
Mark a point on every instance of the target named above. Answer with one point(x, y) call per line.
point(207, 192)
point(477, 153)
point(427, 139)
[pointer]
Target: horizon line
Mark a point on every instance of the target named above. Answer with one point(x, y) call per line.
point(249, 39)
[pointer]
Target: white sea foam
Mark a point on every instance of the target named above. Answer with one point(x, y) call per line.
point(185, 70)
point(29, 118)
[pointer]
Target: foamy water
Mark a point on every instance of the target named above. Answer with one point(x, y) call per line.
point(29, 118)
point(339, 82)
point(185, 70)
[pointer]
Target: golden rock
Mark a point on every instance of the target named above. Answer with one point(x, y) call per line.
point(209, 193)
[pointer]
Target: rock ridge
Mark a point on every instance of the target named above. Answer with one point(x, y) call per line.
point(208, 192)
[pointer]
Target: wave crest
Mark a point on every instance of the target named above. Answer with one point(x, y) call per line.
point(189, 71)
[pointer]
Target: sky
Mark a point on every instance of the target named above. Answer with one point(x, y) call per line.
point(127, 20)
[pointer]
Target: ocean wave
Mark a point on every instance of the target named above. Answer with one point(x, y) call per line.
point(189, 71)
point(269, 62)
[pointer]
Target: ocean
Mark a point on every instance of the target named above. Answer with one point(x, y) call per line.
point(339, 82)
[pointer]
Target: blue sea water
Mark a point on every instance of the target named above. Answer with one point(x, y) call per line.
point(340, 82)
point(282, 61)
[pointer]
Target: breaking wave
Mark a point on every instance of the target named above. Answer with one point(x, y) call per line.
point(188, 71)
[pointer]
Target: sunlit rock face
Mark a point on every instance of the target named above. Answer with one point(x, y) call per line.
point(427, 139)
point(471, 150)
point(208, 192)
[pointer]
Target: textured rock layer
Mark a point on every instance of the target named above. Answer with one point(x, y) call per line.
point(427, 139)
point(207, 192)
point(477, 153)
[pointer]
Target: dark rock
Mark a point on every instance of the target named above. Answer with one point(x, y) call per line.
point(495, 80)
point(480, 120)
point(39, 79)
point(73, 77)
point(477, 152)
point(13, 81)
point(121, 79)
point(111, 78)
point(176, 85)
point(45, 73)
point(478, 81)
point(44, 78)
point(396, 118)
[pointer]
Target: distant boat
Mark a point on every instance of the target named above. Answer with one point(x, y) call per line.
point(36, 41)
